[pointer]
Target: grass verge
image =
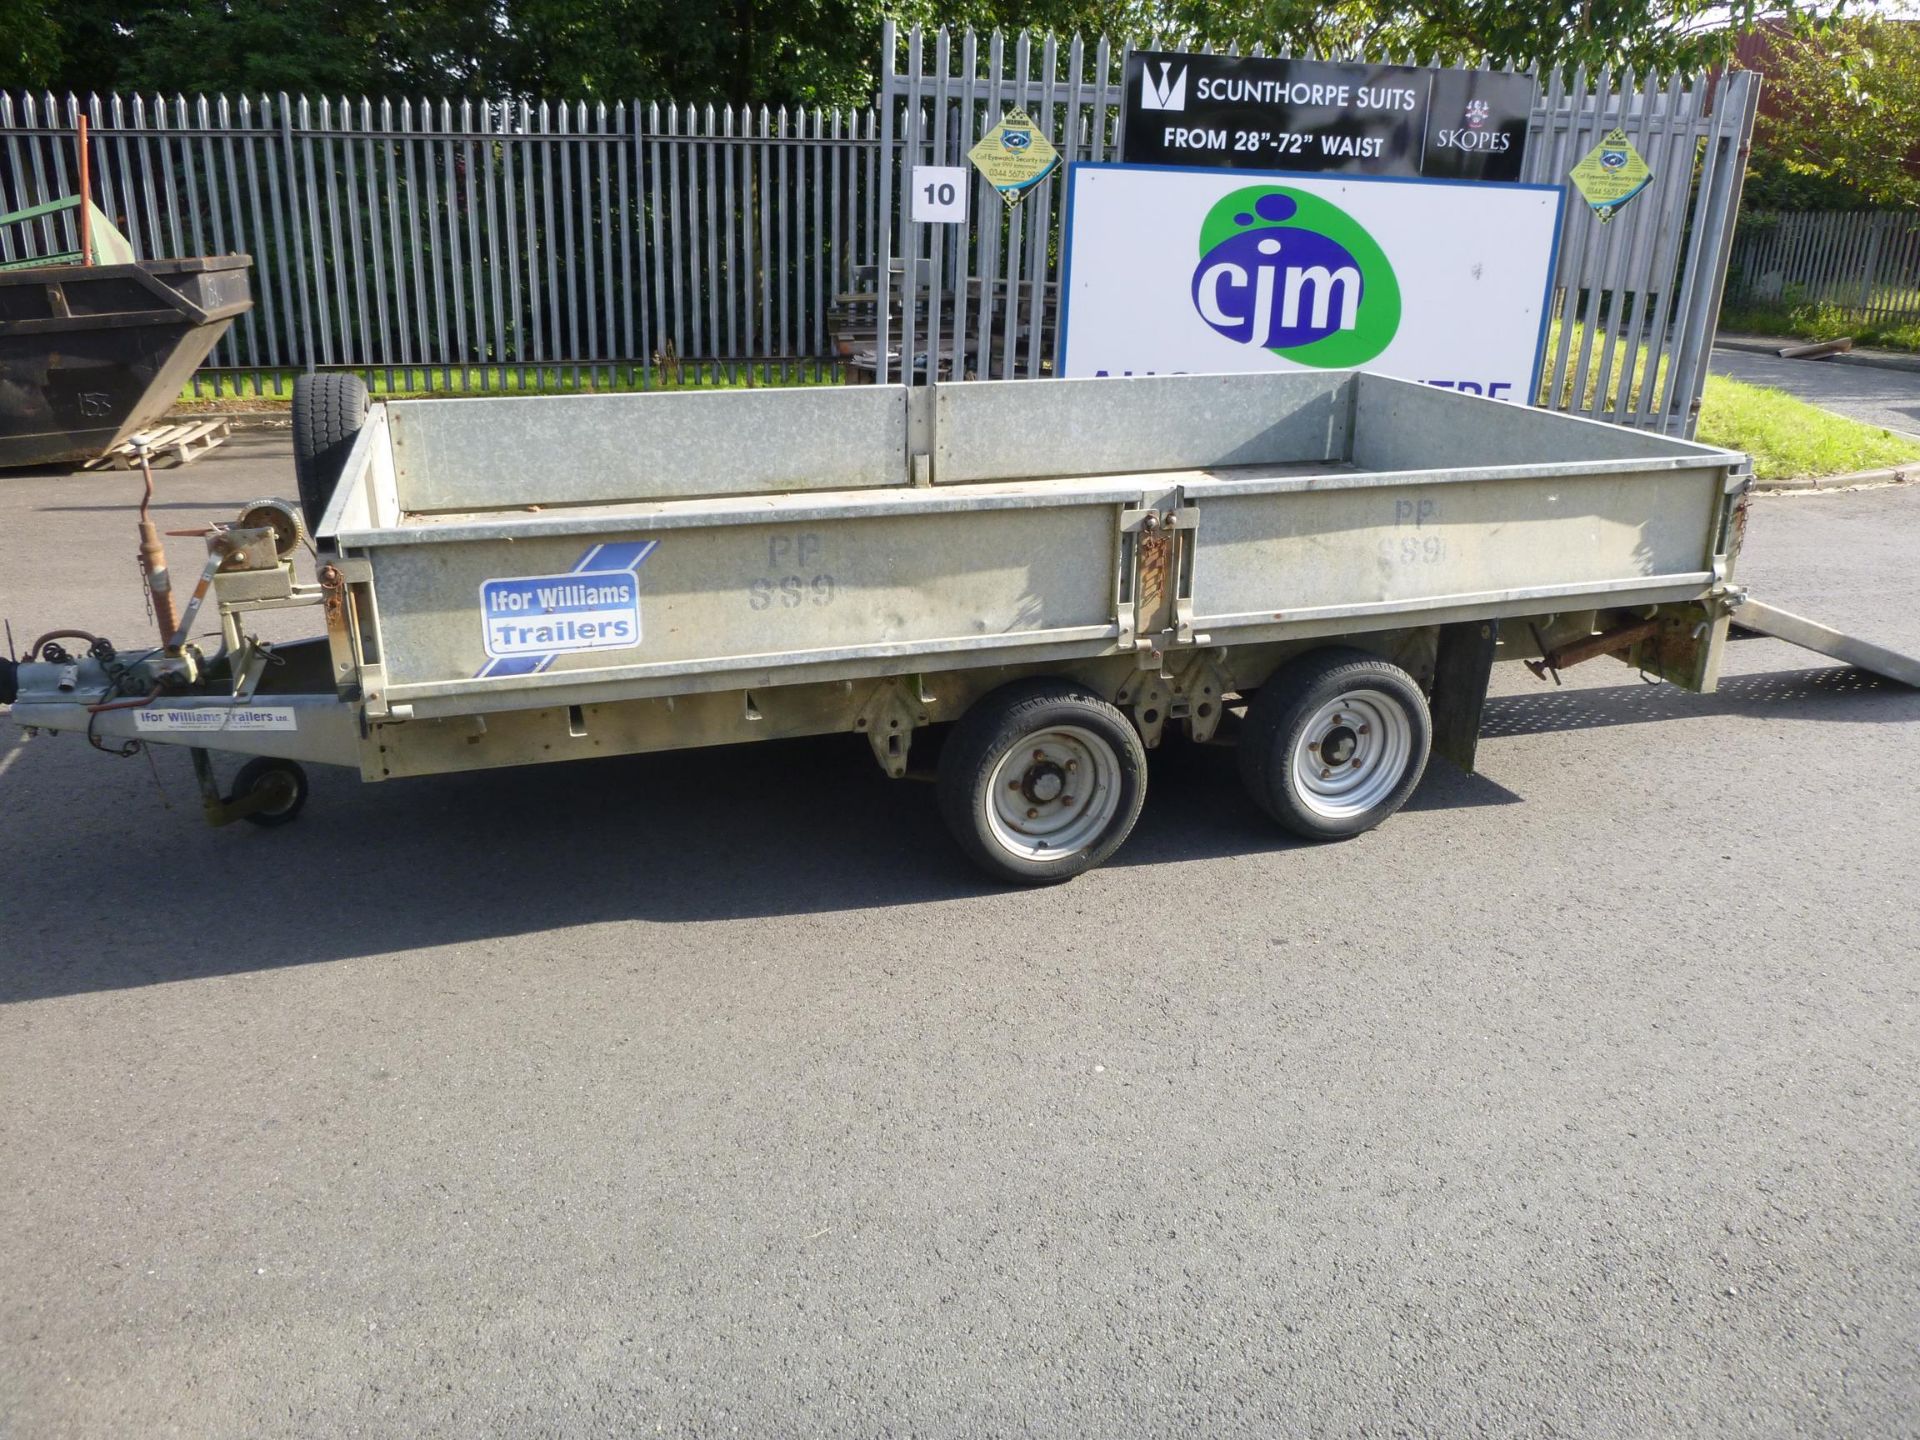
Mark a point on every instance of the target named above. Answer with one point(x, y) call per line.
point(1787, 438)
point(1818, 322)
point(218, 389)
point(1790, 439)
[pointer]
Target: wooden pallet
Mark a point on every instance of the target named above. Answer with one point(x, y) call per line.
point(167, 445)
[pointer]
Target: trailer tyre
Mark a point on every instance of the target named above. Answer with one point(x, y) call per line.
point(1041, 781)
point(1334, 743)
point(286, 782)
point(328, 411)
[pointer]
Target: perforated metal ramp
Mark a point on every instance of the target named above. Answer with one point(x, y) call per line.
point(1810, 635)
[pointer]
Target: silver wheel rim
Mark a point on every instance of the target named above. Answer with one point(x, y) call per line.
point(1352, 753)
point(1053, 793)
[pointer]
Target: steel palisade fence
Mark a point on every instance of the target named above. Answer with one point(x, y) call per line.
point(1636, 299)
point(553, 246)
point(531, 245)
point(1864, 264)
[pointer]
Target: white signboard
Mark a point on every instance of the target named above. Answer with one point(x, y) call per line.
point(940, 194)
point(1173, 270)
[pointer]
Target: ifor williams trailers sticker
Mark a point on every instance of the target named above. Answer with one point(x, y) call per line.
point(529, 621)
point(198, 720)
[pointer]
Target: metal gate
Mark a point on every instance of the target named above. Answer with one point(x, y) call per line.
point(1635, 302)
point(1864, 264)
point(478, 244)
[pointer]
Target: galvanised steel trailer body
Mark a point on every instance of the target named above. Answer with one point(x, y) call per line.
point(1062, 569)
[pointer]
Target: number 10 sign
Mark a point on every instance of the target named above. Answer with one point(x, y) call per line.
point(940, 194)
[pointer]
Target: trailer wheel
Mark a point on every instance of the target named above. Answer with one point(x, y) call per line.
point(328, 411)
point(1040, 781)
point(286, 782)
point(1334, 743)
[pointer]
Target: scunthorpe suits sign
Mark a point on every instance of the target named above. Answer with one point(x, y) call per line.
point(1205, 271)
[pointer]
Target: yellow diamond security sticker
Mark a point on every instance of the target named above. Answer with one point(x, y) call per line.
point(1611, 175)
point(1014, 156)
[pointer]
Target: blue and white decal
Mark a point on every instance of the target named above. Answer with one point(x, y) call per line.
point(529, 621)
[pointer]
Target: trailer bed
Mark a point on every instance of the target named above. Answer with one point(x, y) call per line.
point(996, 522)
point(519, 581)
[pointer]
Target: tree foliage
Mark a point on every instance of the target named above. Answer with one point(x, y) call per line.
point(1664, 35)
point(772, 51)
point(29, 42)
point(1844, 127)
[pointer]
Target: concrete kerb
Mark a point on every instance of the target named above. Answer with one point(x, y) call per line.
point(1853, 480)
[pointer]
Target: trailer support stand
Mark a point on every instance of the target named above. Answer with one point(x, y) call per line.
point(1462, 666)
point(218, 809)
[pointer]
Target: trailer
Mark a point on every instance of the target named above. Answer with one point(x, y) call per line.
point(1319, 567)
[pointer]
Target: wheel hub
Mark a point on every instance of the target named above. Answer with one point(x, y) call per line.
point(1338, 744)
point(277, 791)
point(1352, 753)
point(1044, 782)
point(1054, 793)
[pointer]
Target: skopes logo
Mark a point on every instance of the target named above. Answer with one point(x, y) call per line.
point(1169, 92)
point(1288, 272)
point(1469, 137)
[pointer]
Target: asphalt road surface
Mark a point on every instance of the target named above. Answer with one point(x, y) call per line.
point(713, 1094)
point(1887, 398)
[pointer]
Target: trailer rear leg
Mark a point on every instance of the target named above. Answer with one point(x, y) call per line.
point(1462, 667)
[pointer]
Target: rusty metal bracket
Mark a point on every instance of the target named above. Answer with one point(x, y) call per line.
point(1608, 642)
point(1184, 525)
point(1149, 697)
point(333, 606)
point(1198, 693)
point(351, 667)
point(1155, 597)
point(1542, 667)
point(888, 720)
point(1150, 581)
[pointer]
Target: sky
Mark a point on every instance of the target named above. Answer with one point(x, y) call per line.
point(1884, 9)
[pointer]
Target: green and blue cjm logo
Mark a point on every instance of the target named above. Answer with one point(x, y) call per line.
point(1291, 273)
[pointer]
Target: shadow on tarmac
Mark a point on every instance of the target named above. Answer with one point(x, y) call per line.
point(121, 892)
point(1785, 695)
